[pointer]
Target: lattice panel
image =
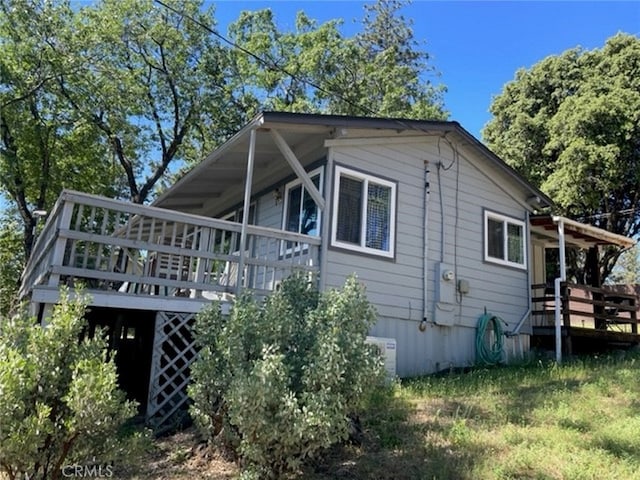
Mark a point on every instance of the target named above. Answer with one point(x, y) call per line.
point(173, 352)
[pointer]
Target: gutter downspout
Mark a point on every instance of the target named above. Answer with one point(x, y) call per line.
point(557, 286)
point(425, 264)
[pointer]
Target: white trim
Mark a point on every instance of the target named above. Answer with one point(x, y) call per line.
point(599, 233)
point(505, 220)
point(366, 178)
point(292, 184)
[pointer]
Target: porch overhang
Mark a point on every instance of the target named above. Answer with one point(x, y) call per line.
point(545, 227)
point(218, 181)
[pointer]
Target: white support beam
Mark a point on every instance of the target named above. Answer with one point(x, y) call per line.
point(325, 232)
point(299, 170)
point(247, 206)
point(557, 291)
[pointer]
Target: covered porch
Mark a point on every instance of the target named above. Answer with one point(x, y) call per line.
point(578, 318)
point(178, 253)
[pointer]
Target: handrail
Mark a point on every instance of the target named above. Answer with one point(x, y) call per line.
point(622, 310)
point(117, 245)
point(190, 218)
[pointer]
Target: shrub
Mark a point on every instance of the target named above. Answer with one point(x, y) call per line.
point(60, 401)
point(278, 381)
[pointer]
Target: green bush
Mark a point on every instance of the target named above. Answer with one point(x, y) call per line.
point(278, 381)
point(60, 402)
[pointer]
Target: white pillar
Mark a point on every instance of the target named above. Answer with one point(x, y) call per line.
point(245, 212)
point(557, 293)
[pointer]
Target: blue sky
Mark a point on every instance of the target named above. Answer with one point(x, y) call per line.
point(477, 46)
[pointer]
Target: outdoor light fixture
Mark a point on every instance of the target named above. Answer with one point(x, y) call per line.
point(277, 196)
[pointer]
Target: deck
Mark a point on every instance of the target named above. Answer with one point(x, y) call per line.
point(141, 257)
point(593, 319)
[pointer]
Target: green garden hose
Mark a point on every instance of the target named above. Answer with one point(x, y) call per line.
point(486, 353)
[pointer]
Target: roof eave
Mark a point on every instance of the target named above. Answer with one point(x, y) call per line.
point(255, 123)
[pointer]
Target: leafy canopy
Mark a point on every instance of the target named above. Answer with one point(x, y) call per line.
point(571, 125)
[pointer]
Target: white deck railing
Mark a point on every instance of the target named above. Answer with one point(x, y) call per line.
point(120, 247)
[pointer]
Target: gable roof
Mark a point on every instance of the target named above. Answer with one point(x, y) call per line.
point(226, 165)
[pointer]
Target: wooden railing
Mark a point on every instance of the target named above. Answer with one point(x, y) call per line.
point(126, 248)
point(587, 307)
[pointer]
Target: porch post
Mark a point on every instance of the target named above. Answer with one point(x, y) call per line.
point(593, 279)
point(245, 212)
point(324, 234)
point(557, 285)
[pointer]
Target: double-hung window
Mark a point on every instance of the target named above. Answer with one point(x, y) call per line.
point(504, 240)
point(301, 214)
point(364, 213)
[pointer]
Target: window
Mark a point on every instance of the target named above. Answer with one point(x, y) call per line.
point(504, 241)
point(301, 214)
point(364, 211)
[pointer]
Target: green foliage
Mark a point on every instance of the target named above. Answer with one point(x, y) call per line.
point(571, 125)
point(44, 145)
point(60, 401)
point(11, 263)
point(384, 69)
point(381, 71)
point(277, 381)
point(627, 269)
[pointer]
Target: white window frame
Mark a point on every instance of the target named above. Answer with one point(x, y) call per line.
point(366, 178)
point(292, 184)
point(506, 220)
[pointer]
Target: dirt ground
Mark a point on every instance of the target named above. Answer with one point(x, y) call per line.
point(180, 456)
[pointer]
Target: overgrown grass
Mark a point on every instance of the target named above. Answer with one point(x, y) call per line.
point(580, 420)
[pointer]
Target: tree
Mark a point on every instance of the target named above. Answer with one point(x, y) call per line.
point(571, 125)
point(11, 262)
point(627, 269)
point(383, 70)
point(156, 85)
point(44, 146)
point(380, 71)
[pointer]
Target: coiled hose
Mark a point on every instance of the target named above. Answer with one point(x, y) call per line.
point(488, 353)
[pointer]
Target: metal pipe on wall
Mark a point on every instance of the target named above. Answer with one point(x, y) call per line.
point(425, 264)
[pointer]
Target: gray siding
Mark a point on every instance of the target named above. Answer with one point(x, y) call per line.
point(396, 287)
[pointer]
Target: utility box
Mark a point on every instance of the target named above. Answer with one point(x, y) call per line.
point(445, 301)
point(387, 348)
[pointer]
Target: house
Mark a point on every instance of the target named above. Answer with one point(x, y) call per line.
point(436, 226)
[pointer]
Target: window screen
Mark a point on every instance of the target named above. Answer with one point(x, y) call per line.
point(378, 216)
point(349, 210)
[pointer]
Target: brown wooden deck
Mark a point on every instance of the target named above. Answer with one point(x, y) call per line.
point(593, 319)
